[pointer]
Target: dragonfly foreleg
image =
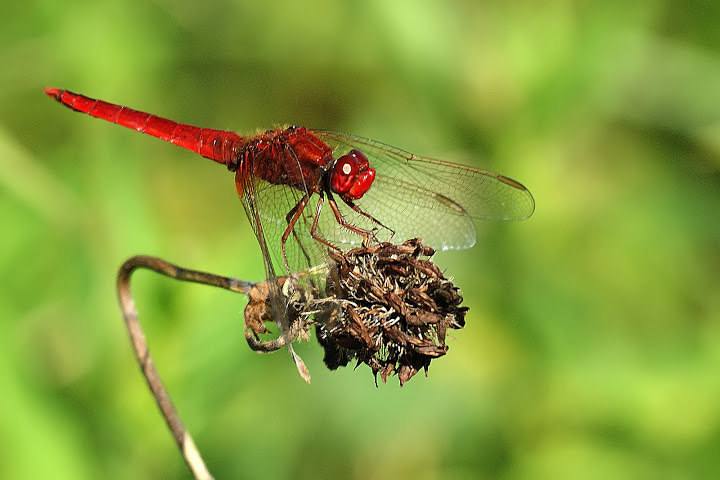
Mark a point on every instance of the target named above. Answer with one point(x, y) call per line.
point(359, 210)
point(366, 234)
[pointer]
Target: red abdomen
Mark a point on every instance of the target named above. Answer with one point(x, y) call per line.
point(218, 145)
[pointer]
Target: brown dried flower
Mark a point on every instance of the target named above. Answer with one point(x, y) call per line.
point(394, 308)
point(388, 306)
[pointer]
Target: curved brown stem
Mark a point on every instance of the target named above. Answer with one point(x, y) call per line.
point(189, 451)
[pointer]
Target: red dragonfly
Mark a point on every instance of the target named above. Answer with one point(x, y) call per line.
point(382, 192)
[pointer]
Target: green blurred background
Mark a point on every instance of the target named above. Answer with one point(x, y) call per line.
point(592, 347)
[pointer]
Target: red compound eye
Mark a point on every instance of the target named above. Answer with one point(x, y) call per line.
point(351, 175)
point(343, 174)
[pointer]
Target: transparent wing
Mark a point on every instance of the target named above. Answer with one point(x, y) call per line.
point(422, 197)
point(258, 195)
point(275, 202)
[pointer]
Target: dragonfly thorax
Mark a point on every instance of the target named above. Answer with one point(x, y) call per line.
point(291, 156)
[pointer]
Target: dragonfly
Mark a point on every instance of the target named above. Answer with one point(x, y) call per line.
point(306, 191)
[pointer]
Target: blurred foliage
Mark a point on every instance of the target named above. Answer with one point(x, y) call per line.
point(593, 341)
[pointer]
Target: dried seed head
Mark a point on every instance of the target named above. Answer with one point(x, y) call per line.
point(388, 306)
point(392, 311)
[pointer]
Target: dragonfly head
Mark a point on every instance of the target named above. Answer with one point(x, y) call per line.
point(351, 175)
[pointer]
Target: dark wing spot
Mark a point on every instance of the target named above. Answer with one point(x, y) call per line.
point(511, 182)
point(451, 203)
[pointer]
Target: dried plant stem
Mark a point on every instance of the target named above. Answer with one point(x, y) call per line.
point(183, 439)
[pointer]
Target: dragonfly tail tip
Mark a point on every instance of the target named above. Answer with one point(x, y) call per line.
point(55, 93)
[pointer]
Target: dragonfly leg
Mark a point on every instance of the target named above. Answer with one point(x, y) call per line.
point(288, 218)
point(292, 218)
point(313, 228)
point(359, 210)
point(366, 234)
